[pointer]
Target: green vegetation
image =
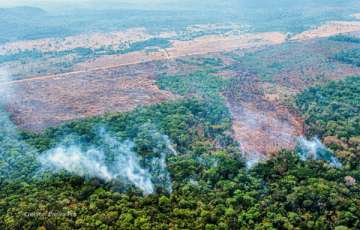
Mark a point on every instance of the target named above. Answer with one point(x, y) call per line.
point(351, 56)
point(333, 113)
point(85, 53)
point(212, 189)
point(294, 61)
point(24, 23)
point(270, 63)
point(201, 83)
point(33, 54)
point(81, 53)
point(208, 62)
point(333, 109)
point(152, 42)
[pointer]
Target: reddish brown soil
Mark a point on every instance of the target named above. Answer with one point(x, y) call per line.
point(198, 46)
point(262, 122)
point(260, 125)
point(44, 102)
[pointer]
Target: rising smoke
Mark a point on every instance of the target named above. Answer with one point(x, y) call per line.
point(114, 160)
point(161, 148)
point(91, 162)
point(111, 160)
point(315, 150)
point(5, 89)
point(14, 152)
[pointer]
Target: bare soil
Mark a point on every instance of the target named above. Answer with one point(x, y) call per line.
point(261, 126)
point(198, 46)
point(40, 103)
point(329, 29)
point(262, 121)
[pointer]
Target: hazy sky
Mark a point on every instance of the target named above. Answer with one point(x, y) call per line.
point(83, 3)
point(145, 4)
point(64, 5)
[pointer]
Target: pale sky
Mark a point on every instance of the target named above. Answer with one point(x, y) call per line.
point(81, 3)
point(98, 4)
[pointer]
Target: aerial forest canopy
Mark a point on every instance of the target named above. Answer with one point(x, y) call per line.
point(211, 188)
point(167, 114)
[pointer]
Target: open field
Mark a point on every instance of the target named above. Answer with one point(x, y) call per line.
point(132, 46)
point(85, 58)
point(260, 95)
point(114, 40)
point(52, 101)
point(258, 98)
point(201, 45)
point(261, 126)
point(329, 29)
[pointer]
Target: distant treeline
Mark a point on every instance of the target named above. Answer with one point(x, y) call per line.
point(345, 38)
point(351, 56)
point(25, 23)
point(83, 53)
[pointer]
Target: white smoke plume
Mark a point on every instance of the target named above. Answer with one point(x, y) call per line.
point(126, 163)
point(162, 147)
point(254, 159)
point(14, 151)
point(314, 149)
point(113, 160)
point(6, 91)
point(92, 163)
point(74, 160)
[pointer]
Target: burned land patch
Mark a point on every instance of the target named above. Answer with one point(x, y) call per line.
point(44, 102)
point(265, 82)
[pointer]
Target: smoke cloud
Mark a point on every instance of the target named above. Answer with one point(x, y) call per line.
point(111, 160)
point(14, 152)
point(114, 160)
point(161, 147)
point(92, 163)
point(5, 88)
point(314, 149)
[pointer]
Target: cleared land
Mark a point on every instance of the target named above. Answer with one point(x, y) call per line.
point(201, 45)
point(265, 69)
point(259, 97)
point(47, 102)
point(329, 29)
point(92, 40)
point(260, 125)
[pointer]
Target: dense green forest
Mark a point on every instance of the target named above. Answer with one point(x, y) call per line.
point(201, 83)
point(351, 56)
point(345, 38)
point(210, 186)
point(333, 113)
